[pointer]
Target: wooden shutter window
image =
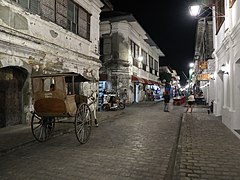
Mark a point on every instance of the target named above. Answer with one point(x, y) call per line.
point(84, 23)
point(220, 12)
point(61, 13)
point(48, 9)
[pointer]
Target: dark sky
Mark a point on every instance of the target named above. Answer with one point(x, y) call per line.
point(169, 25)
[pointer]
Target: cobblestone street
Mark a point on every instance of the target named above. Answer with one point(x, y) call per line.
point(207, 149)
point(138, 144)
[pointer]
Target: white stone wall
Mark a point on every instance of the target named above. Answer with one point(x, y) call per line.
point(227, 52)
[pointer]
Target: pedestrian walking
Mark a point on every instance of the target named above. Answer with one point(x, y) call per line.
point(191, 101)
point(166, 97)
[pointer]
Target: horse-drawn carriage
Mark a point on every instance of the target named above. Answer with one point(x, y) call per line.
point(56, 96)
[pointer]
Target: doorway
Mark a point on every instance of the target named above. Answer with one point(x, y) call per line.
point(12, 80)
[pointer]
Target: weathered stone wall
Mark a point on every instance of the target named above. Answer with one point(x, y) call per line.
point(40, 46)
point(118, 62)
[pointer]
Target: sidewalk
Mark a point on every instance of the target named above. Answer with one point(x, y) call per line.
point(207, 149)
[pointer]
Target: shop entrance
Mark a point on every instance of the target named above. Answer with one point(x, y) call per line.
point(136, 92)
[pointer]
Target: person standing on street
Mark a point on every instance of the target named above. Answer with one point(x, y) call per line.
point(166, 97)
point(191, 101)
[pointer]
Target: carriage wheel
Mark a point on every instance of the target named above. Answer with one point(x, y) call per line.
point(42, 127)
point(83, 123)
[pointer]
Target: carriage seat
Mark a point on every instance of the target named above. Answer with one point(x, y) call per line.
point(54, 103)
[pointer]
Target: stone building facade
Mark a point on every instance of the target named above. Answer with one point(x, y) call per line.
point(130, 58)
point(44, 37)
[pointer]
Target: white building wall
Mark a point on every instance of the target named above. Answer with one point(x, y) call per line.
point(227, 52)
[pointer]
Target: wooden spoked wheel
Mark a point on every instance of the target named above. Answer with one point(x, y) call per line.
point(83, 123)
point(42, 127)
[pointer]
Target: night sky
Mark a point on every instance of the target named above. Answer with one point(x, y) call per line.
point(170, 26)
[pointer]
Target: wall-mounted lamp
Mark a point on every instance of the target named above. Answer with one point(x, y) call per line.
point(199, 8)
point(203, 8)
point(224, 69)
point(191, 65)
point(212, 77)
point(194, 9)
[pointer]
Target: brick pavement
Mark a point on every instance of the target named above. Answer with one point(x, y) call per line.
point(137, 143)
point(134, 145)
point(207, 149)
point(13, 137)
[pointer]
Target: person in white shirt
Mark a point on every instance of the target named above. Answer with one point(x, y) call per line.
point(191, 101)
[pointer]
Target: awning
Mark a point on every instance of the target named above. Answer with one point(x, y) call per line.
point(155, 83)
point(137, 79)
point(146, 81)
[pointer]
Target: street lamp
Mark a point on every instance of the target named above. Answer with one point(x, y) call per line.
point(194, 9)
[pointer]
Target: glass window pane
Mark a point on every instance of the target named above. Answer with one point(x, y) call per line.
point(34, 6)
point(24, 3)
point(68, 25)
point(72, 17)
point(75, 14)
point(70, 13)
point(74, 28)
